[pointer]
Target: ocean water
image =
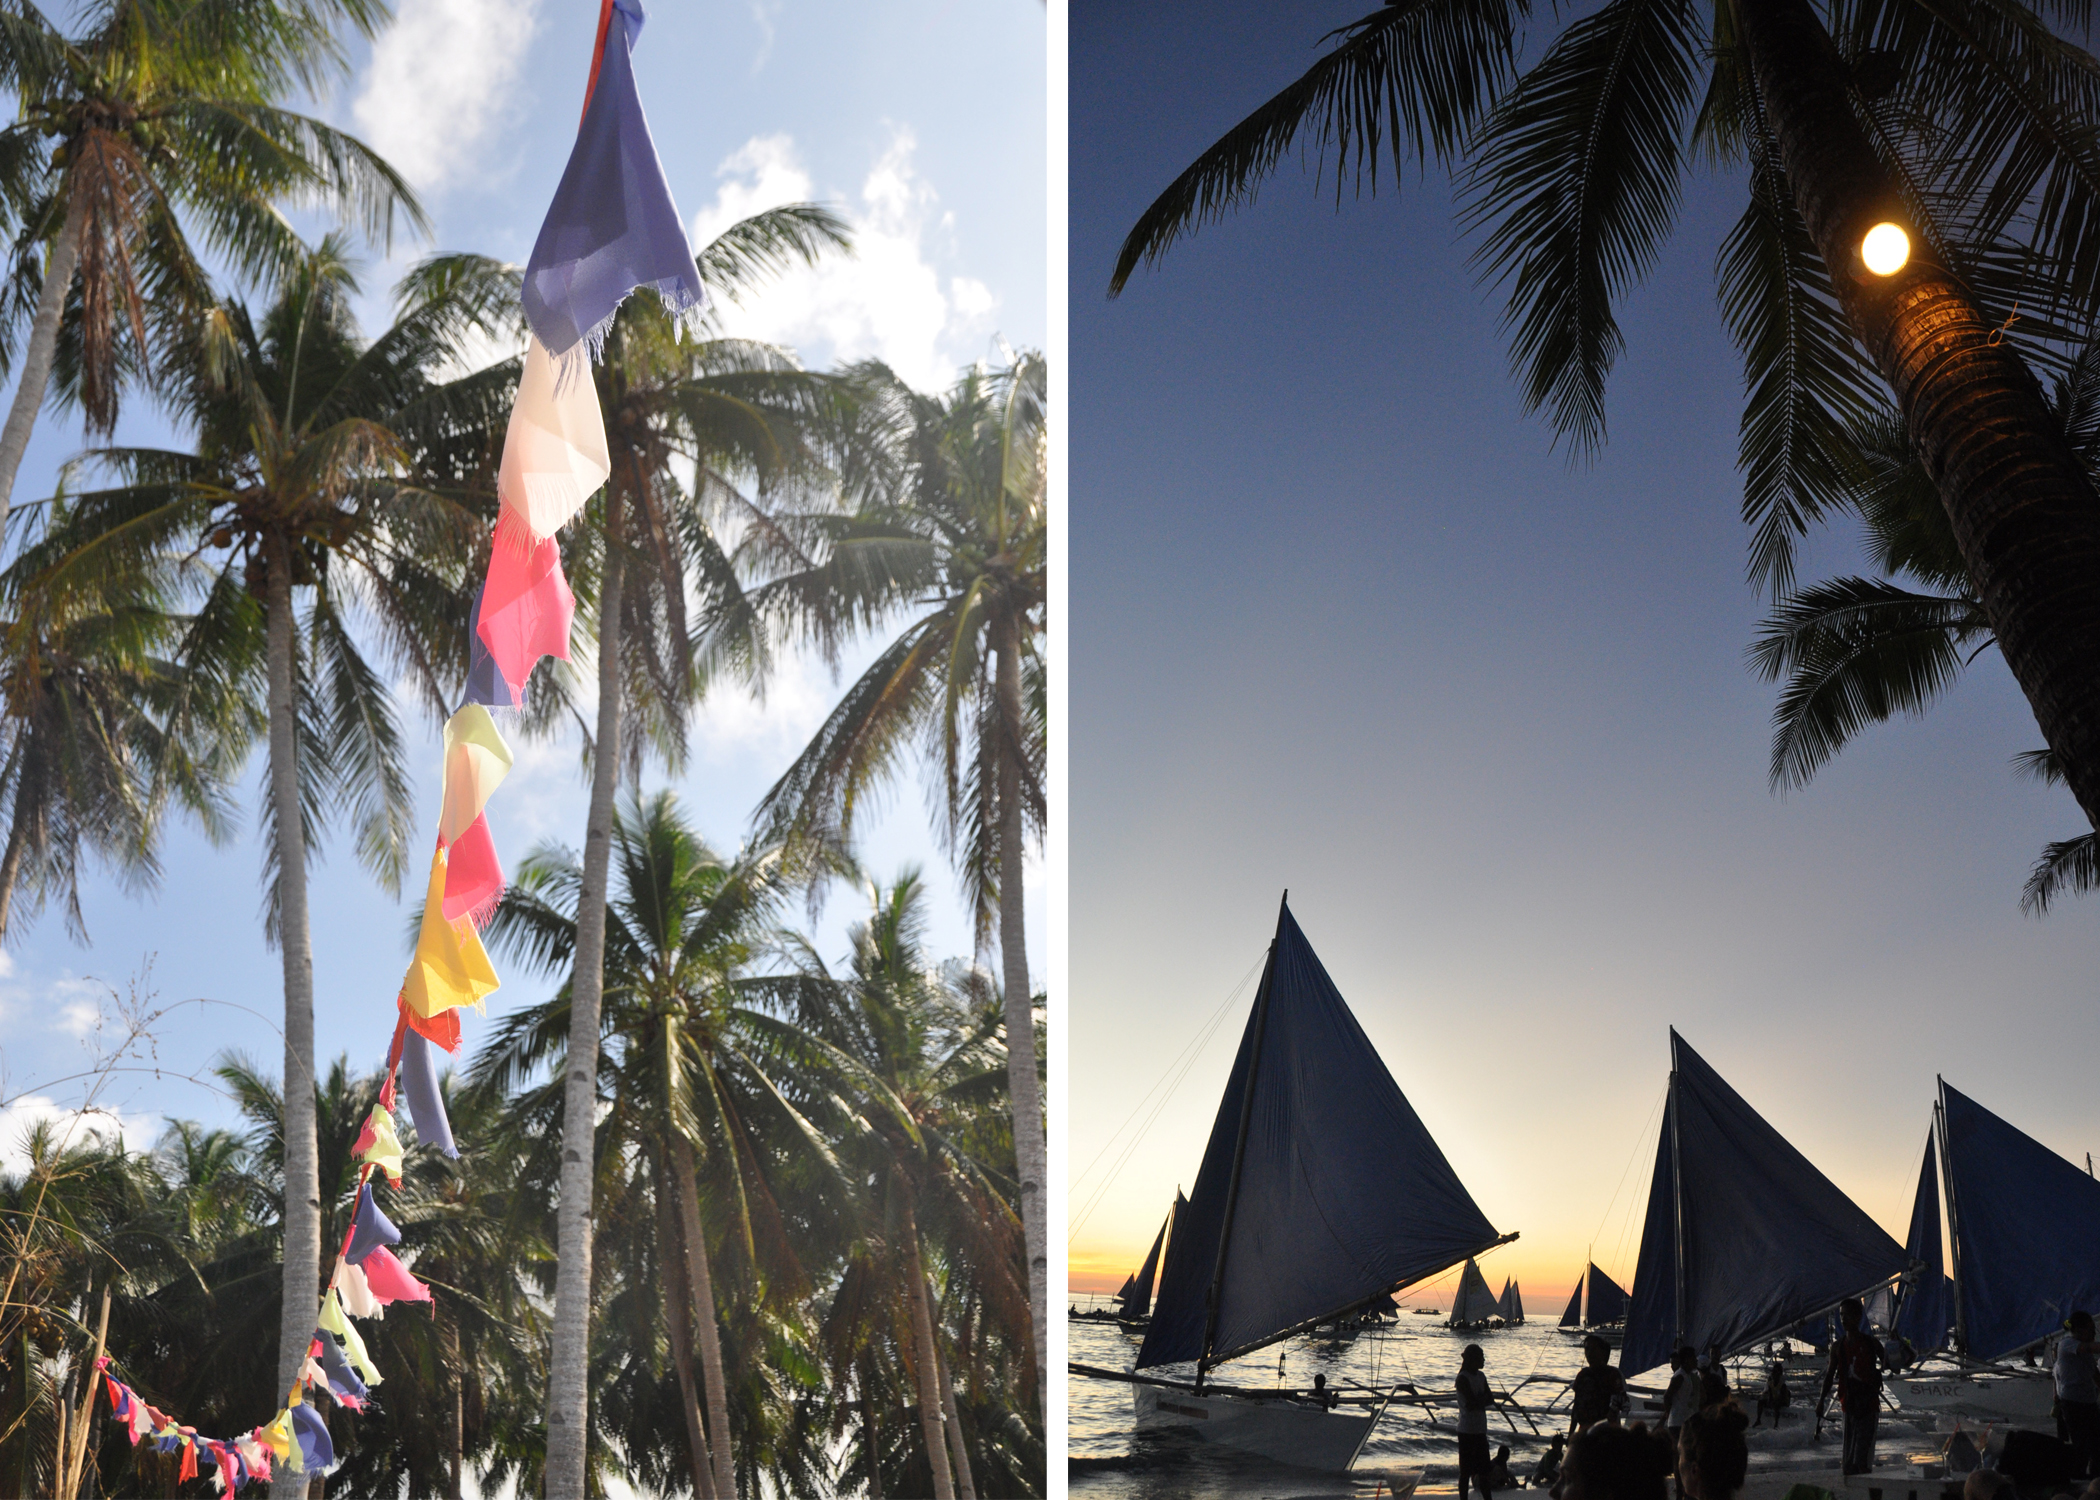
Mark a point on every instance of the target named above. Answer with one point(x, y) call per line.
point(1114, 1462)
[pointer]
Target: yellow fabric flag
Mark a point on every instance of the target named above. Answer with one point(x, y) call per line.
point(286, 1447)
point(450, 968)
point(476, 761)
point(380, 1145)
point(333, 1321)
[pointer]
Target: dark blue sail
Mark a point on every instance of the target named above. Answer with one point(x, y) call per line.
point(1572, 1318)
point(1607, 1302)
point(1767, 1239)
point(2027, 1228)
point(1136, 1296)
point(1341, 1193)
point(1928, 1302)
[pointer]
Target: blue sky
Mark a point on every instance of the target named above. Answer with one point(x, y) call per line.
point(920, 120)
point(1344, 621)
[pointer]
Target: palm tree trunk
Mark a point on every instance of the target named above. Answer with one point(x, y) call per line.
point(456, 1429)
point(701, 1277)
point(2022, 509)
point(568, 1393)
point(302, 1165)
point(927, 1358)
point(871, 1426)
point(1022, 1084)
point(958, 1452)
point(678, 1302)
point(43, 344)
point(17, 841)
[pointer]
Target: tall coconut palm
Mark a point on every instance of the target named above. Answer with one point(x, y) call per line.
point(310, 492)
point(693, 427)
point(1854, 651)
point(688, 1077)
point(958, 539)
point(98, 730)
point(1970, 131)
point(934, 1134)
point(161, 123)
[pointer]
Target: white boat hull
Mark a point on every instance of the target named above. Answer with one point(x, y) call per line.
point(1285, 1431)
point(2000, 1398)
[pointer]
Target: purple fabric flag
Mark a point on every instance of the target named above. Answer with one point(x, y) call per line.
point(371, 1228)
point(612, 226)
point(426, 1105)
point(315, 1446)
point(342, 1380)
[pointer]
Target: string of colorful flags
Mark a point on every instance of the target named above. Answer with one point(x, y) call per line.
point(611, 229)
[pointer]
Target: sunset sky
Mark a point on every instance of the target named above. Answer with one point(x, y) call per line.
point(1345, 621)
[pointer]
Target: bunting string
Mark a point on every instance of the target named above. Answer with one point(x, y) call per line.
point(612, 228)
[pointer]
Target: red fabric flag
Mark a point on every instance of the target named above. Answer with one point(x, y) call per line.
point(390, 1280)
point(189, 1461)
point(441, 1029)
point(473, 878)
point(526, 607)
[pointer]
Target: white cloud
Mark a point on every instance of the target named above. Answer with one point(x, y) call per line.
point(440, 81)
point(74, 1127)
point(733, 723)
point(890, 300)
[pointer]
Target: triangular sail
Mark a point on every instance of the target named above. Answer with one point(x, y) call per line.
point(1607, 1300)
point(1475, 1302)
point(1341, 1194)
point(1572, 1318)
point(1928, 1302)
point(2027, 1230)
point(1510, 1305)
point(1137, 1293)
point(1767, 1239)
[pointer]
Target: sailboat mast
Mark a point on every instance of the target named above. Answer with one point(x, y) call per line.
point(1239, 1146)
point(1589, 1261)
point(1939, 1124)
point(1676, 1191)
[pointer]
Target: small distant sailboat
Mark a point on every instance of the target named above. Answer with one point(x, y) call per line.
point(1597, 1307)
point(2024, 1231)
point(1511, 1305)
point(1321, 1194)
point(1744, 1238)
point(1134, 1306)
point(1475, 1305)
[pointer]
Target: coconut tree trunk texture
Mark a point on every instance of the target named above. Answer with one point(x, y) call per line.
point(700, 1276)
point(568, 1392)
point(456, 1432)
point(871, 1427)
point(958, 1452)
point(17, 841)
point(302, 1164)
point(926, 1357)
point(1021, 1078)
point(2023, 512)
point(678, 1303)
point(43, 344)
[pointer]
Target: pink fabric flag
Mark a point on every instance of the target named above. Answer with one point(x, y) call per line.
point(526, 608)
point(473, 877)
point(389, 1279)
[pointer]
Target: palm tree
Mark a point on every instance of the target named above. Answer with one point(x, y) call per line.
point(98, 729)
point(934, 1134)
point(689, 1074)
point(1857, 651)
point(311, 482)
point(1970, 132)
point(960, 537)
point(160, 122)
point(727, 412)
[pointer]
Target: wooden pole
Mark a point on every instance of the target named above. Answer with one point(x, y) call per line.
point(87, 1402)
